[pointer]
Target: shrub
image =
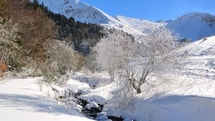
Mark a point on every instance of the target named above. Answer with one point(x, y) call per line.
point(3, 8)
point(10, 52)
point(60, 60)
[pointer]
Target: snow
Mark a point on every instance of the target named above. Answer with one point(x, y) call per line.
point(78, 10)
point(22, 100)
point(76, 86)
point(100, 95)
point(142, 25)
point(84, 12)
point(187, 96)
point(92, 105)
point(102, 117)
point(176, 108)
point(194, 26)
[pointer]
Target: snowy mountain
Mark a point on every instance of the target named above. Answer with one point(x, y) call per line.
point(194, 26)
point(140, 26)
point(78, 10)
point(200, 61)
point(84, 12)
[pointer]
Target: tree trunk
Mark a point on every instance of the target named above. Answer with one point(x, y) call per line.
point(138, 90)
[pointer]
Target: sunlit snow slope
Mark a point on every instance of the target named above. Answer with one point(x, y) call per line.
point(194, 26)
point(78, 10)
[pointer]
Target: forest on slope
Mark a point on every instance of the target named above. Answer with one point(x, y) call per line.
point(33, 37)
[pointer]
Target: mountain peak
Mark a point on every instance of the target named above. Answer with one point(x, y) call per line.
point(195, 14)
point(80, 11)
point(194, 26)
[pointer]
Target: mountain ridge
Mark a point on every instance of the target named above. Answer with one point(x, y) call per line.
point(192, 26)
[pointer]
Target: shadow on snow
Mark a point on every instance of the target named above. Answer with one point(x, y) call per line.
point(33, 104)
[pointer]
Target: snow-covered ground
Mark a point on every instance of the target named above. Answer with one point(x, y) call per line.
point(23, 100)
point(186, 96)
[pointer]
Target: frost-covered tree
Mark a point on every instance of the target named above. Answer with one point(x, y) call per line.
point(111, 52)
point(60, 60)
point(151, 55)
point(134, 61)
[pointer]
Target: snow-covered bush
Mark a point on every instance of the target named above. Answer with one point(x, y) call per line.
point(60, 60)
point(9, 48)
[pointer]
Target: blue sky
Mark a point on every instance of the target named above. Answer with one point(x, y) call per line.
point(153, 9)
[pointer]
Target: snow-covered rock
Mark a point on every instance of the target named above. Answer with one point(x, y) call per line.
point(92, 105)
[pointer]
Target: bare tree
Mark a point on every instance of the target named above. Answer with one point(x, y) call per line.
point(111, 52)
point(136, 60)
point(151, 54)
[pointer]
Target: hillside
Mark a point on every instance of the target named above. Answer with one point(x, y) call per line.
point(28, 36)
point(200, 58)
point(194, 26)
point(80, 11)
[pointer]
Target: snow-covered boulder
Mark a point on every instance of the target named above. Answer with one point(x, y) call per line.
point(92, 105)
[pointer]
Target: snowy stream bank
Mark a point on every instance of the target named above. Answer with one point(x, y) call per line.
point(90, 109)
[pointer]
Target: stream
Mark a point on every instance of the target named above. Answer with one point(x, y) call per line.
point(91, 110)
point(95, 112)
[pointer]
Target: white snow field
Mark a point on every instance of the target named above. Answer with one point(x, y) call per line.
point(22, 100)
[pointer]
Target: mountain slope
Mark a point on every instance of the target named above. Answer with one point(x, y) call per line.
point(83, 12)
point(138, 26)
point(194, 26)
point(78, 10)
point(200, 61)
point(142, 25)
